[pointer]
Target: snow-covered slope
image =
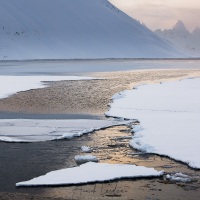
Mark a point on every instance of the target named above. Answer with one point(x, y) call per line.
point(68, 29)
point(181, 37)
point(196, 33)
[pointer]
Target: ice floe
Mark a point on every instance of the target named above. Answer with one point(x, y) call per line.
point(12, 84)
point(32, 130)
point(91, 172)
point(86, 149)
point(179, 177)
point(169, 116)
point(80, 159)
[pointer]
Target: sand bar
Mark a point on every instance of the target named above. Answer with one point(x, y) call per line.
point(86, 96)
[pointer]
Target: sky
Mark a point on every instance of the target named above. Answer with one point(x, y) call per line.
point(161, 14)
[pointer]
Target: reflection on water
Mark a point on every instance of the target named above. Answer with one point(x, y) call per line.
point(21, 162)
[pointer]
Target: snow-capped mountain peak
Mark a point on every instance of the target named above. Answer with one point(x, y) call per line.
point(181, 37)
point(196, 32)
point(179, 27)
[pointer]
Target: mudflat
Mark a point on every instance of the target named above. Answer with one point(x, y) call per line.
point(86, 96)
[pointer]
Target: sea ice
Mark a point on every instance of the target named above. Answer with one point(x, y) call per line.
point(13, 84)
point(32, 130)
point(179, 177)
point(91, 172)
point(86, 149)
point(86, 158)
point(169, 116)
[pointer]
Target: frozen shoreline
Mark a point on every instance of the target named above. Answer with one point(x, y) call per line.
point(10, 85)
point(85, 96)
point(126, 85)
point(28, 130)
point(58, 155)
point(169, 116)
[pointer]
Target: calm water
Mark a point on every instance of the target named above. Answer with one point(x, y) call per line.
point(77, 67)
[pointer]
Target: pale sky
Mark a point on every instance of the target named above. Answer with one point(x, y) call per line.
point(162, 13)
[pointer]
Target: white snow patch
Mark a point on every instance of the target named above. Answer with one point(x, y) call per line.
point(86, 158)
point(13, 84)
point(30, 130)
point(179, 177)
point(91, 172)
point(169, 114)
point(136, 128)
point(86, 149)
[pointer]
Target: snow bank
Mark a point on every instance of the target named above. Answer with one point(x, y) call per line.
point(22, 130)
point(13, 84)
point(91, 172)
point(86, 158)
point(169, 116)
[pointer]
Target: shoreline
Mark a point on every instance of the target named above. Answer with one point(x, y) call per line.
point(20, 115)
point(101, 59)
point(109, 148)
point(60, 154)
point(90, 97)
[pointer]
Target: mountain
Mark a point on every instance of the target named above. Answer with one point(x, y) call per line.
point(196, 33)
point(179, 29)
point(75, 29)
point(182, 38)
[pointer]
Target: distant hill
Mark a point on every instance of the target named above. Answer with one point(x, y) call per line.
point(70, 29)
point(181, 37)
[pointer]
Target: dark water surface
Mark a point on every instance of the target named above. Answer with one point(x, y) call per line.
point(20, 161)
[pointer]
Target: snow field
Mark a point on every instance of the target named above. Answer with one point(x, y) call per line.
point(169, 116)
